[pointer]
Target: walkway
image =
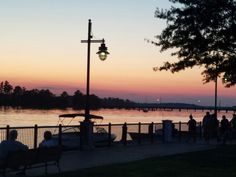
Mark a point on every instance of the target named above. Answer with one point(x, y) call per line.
point(75, 160)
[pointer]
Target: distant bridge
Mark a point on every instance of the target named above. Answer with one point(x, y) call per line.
point(180, 108)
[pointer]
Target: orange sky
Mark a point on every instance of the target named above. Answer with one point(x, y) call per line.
point(40, 48)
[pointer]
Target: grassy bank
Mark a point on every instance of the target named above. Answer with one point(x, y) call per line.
point(220, 162)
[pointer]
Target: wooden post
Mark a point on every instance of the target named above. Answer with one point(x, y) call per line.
point(124, 134)
point(109, 134)
point(7, 132)
point(35, 136)
point(139, 133)
point(60, 135)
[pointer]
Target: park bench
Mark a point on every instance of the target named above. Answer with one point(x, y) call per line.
point(32, 158)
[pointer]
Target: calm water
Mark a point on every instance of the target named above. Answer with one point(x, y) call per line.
point(30, 117)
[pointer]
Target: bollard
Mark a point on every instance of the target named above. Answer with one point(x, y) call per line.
point(167, 130)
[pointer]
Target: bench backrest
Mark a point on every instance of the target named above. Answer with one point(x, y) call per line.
point(48, 154)
point(16, 159)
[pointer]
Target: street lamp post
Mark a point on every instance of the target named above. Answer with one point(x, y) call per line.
point(87, 125)
point(215, 108)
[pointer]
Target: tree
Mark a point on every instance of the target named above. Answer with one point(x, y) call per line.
point(7, 88)
point(201, 33)
point(78, 100)
point(17, 95)
point(1, 88)
point(63, 100)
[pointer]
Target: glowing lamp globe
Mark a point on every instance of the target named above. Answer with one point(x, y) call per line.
point(102, 52)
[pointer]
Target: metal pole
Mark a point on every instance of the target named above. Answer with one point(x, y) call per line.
point(215, 109)
point(87, 106)
point(35, 136)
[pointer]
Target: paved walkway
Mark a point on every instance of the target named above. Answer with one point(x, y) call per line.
point(75, 160)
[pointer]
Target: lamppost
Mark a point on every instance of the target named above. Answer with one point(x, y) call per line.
point(87, 125)
point(216, 88)
point(215, 108)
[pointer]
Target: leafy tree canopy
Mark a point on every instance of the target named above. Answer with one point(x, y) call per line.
point(202, 33)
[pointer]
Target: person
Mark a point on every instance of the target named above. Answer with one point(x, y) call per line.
point(192, 127)
point(215, 127)
point(233, 121)
point(206, 126)
point(224, 128)
point(233, 126)
point(10, 145)
point(48, 141)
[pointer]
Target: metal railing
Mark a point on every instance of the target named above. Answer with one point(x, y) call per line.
point(126, 134)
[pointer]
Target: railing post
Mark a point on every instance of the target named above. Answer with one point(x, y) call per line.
point(200, 130)
point(35, 136)
point(124, 134)
point(180, 134)
point(109, 134)
point(150, 131)
point(163, 132)
point(60, 135)
point(7, 132)
point(139, 133)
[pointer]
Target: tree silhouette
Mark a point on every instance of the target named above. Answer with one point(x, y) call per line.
point(35, 98)
point(17, 94)
point(201, 33)
point(7, 88)
point(78, 100)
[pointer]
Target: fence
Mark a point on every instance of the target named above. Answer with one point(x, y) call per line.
point(120, 134)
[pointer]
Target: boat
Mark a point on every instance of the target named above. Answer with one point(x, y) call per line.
point(135, 136)
point(70, 137)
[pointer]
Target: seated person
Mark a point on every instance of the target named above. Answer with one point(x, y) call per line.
point(11, 144)
point(48, 141)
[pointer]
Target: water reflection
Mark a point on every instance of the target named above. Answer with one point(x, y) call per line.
point(30, 117)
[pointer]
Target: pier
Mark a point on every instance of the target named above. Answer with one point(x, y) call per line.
point(180, 107)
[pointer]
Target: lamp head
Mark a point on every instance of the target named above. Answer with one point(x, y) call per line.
point(102, 51)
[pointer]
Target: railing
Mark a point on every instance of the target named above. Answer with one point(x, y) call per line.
point(126, 134)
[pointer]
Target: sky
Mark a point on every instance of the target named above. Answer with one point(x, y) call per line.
point(40, 47)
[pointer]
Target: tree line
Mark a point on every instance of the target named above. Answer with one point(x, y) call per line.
point(35, 98)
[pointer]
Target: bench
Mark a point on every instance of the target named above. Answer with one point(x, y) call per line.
point(32, 158)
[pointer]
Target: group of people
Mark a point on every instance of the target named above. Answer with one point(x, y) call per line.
point(12, 144)
point(212, 127)
point(221, 130)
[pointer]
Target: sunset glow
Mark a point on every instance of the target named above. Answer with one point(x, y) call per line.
point(41, 48)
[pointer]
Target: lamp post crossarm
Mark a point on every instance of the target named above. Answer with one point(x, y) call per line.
point(93, 41)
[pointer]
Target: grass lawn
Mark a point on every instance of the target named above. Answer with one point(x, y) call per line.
point(220, 162)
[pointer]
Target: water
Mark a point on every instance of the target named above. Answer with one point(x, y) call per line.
point(30, 117)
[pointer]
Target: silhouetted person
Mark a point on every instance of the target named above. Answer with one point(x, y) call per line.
point(192, 127)
point(48, 141)
point(10, 145)
point(233, 126)
point(215, 127)
point(224, 128)
point(206, 123)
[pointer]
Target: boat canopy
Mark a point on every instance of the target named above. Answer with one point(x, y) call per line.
point(91, 116)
